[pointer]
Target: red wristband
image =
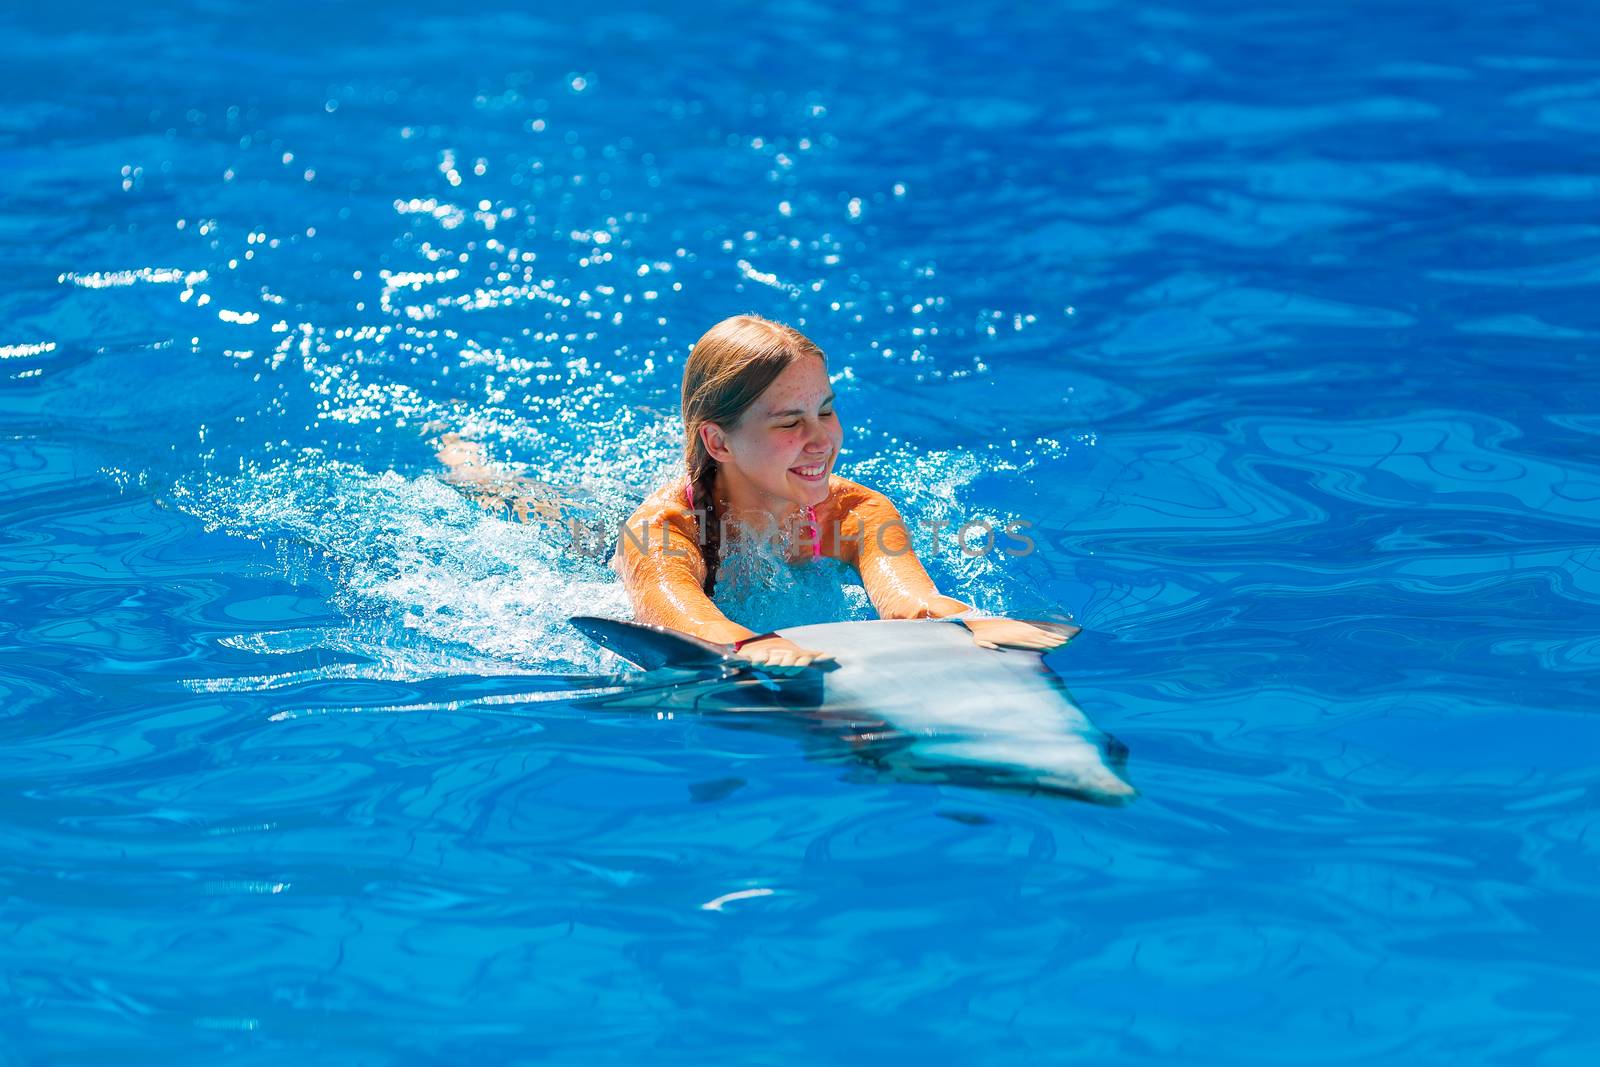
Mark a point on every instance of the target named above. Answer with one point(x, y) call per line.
point(737, 645)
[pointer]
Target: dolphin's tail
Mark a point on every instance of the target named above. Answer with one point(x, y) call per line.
point(1075, 767)
point(1107, 788)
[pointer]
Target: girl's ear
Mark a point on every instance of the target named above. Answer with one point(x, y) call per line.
point(716, 442)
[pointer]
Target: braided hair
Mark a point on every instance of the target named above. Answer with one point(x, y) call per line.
point(729, 367)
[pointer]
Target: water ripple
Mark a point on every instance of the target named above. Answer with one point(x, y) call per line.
point(1274, 326)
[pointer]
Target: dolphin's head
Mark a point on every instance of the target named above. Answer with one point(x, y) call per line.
point(1083, 766)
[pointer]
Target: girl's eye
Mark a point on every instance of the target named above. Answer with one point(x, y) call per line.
point(792, 425)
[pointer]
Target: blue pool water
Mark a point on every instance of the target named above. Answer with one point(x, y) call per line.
point(1277, 322)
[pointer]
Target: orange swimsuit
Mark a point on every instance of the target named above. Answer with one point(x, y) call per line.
point(662, 567)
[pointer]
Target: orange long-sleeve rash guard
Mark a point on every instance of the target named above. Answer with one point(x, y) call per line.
point(660, 561)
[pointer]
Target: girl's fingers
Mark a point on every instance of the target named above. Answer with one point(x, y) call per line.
point(785, 660)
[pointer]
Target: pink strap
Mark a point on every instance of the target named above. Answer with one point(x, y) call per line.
point(811, 518)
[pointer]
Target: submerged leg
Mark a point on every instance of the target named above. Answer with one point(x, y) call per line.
point(491, 486)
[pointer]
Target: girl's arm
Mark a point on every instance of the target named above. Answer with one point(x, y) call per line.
point(663, 570)
point(659, 560)
point(896, 581)
point(900, 588)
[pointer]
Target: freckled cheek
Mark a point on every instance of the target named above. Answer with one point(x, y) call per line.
point(783, 446)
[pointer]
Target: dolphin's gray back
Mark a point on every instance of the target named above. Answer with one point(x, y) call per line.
point(951, 707)
point(929, 675)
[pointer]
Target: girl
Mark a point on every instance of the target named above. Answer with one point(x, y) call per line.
point(760, 439)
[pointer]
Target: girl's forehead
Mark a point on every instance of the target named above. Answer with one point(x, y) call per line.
point(804, 379)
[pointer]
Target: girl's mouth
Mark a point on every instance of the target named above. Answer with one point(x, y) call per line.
point(812, 473)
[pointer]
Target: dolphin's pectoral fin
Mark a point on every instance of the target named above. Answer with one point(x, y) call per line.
point(1064, 629)
point(649, 646)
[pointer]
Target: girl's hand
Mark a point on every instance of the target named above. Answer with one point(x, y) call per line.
point(1009, 633)
point(779, 655)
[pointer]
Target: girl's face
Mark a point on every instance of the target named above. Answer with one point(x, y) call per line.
point(783, 447)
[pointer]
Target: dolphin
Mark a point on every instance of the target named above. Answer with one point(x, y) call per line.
point(916, 697)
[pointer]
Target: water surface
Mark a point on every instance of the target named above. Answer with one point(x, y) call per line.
point(1276, 323)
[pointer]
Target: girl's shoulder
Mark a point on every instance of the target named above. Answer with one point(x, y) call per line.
point(849, 497)
point(664, 519)
point(668, 501)
point(669, 505)
point(851, 512)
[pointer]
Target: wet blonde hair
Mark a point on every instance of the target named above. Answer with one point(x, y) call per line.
point(731, 365)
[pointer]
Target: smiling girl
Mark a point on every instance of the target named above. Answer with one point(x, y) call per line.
point(761, 437)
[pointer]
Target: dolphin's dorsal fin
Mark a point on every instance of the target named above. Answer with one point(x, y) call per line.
point(649, 646)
